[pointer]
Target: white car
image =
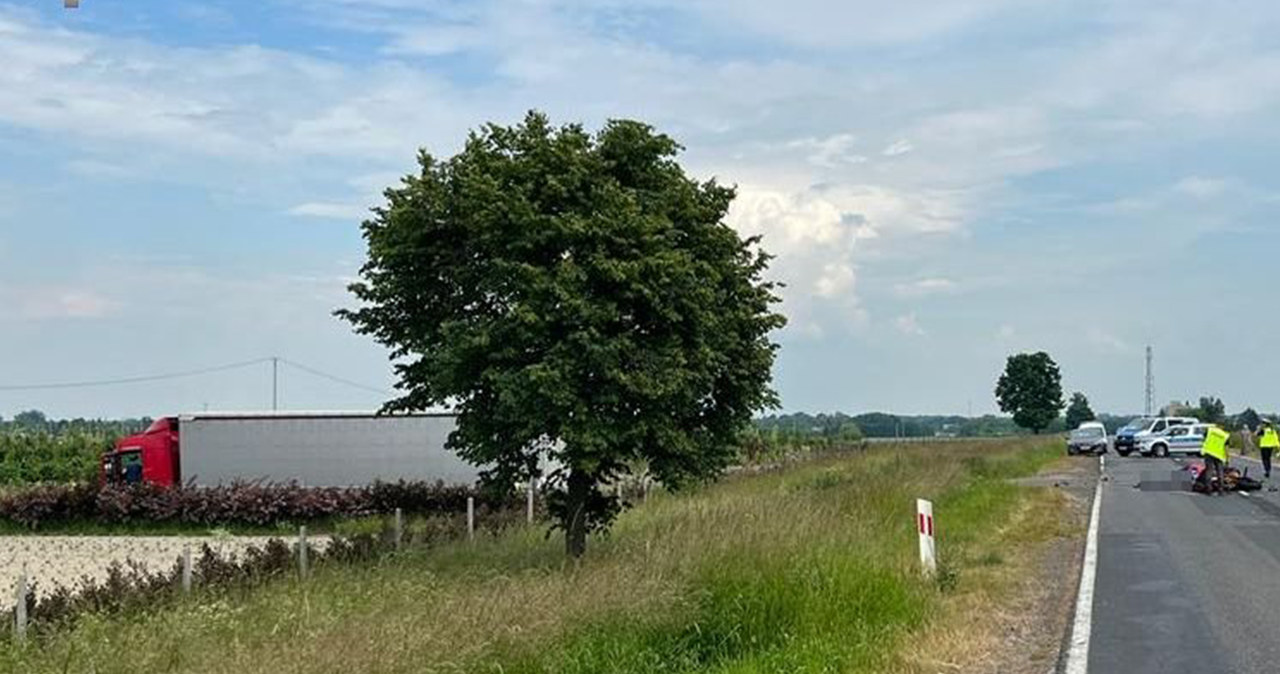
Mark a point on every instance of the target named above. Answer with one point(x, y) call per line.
point(1182, 439)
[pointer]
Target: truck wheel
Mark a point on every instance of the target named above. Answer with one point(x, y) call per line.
point(1162, 451)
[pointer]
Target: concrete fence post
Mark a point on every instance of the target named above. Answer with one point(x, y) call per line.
point(302, 552)
point(924, 525)
point(533, 486)
point(186, 569)
point(20, 607)
point(399, 528)
point(471, 518)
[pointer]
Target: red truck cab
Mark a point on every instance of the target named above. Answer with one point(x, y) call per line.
point(150, 456)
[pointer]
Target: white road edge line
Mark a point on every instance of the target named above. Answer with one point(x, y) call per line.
point(1078, 651)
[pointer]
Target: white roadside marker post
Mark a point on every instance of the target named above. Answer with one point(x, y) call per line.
point(928, 549)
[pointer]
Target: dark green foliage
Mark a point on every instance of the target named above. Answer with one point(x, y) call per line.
point(1249, 419)
point(1078, 411)
point(36, 449)
point(1211, 410)
point(1031, 390)
point(573, 296)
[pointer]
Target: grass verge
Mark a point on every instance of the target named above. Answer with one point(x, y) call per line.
point(808, 569)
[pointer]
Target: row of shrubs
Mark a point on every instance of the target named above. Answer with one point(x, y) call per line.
point(238, 504)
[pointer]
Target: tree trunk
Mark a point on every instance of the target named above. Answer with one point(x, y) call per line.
point(575, 530)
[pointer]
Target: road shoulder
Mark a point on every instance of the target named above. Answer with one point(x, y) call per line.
point(1011, 611)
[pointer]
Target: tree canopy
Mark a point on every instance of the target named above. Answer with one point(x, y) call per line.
point(1031, 390)
point(575, 297)
point(1079, 411)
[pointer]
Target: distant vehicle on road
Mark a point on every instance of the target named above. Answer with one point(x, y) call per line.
point(1184, 439)
point(1131, 436)
point(314, 449)
point(1089, 438)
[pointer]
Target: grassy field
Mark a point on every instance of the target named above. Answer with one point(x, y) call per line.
point(804, 570)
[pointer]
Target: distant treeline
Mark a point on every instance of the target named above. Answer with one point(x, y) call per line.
point(802, 427)
point(35, 421)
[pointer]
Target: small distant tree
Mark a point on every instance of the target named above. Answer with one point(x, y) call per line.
point(1031, 390)
point(1078, 411)
point(30, 420)
point(1212, 410)
point(577, 297)
point(1250, 419)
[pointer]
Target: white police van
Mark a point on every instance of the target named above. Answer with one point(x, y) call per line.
point(1139, 434)
point(1184, 439)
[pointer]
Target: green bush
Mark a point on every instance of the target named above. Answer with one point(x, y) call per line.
point(33, 457)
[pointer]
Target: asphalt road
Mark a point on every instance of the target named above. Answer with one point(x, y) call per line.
point(1185, 582)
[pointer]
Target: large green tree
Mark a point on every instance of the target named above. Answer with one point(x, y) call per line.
point(1078, 411)
point(575, 297)
point(1031, 389)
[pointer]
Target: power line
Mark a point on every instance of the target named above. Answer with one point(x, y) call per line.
point(133, 380)
point(335, 378)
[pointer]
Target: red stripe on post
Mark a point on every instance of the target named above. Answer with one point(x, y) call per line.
point(920, 526)
point(931, 525)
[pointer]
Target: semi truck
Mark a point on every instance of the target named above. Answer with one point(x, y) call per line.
point(315, 449)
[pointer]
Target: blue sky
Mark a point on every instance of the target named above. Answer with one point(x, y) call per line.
point(944, 183)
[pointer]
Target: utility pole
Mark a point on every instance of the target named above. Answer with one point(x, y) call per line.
point(1149, 409)
point(275, 380)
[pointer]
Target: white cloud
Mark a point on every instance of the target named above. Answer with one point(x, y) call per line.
point(1106, 342)
point(98, 168)
point(1200, 187)
point(825, 25)
point(831, 151)
point(908, 325)
point(1006, 333)
point(836, 279)
point(41, 303)
point(925, 286)
point(336, 211)
point(898, 147)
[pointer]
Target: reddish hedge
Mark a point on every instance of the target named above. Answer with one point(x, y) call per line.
point(252, 504)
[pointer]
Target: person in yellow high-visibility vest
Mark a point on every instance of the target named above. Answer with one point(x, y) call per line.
point(1214, 451)
point(1268, 443)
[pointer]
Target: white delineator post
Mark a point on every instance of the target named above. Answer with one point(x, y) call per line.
point(924, 524)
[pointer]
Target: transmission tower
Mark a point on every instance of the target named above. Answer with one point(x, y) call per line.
point(1151, 387)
